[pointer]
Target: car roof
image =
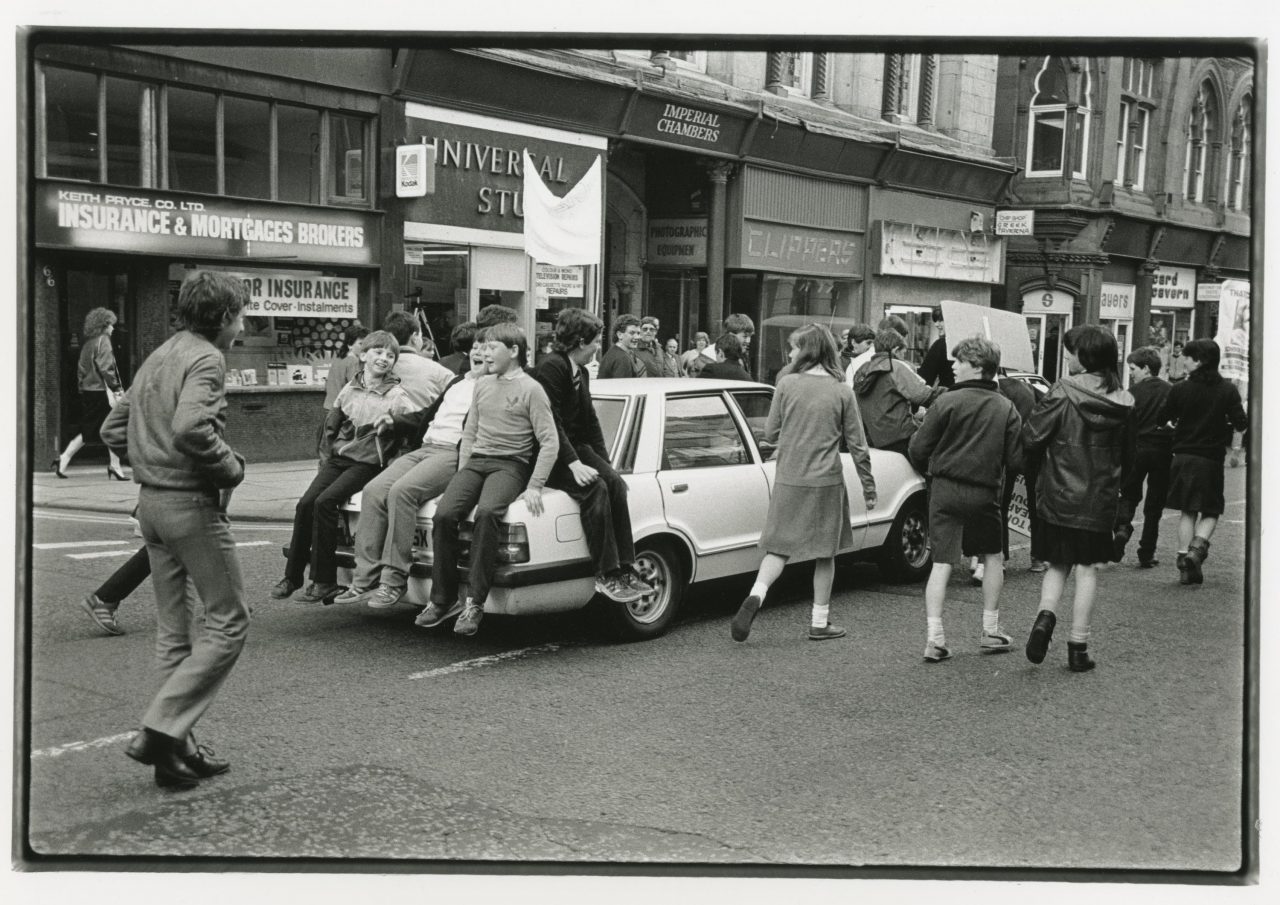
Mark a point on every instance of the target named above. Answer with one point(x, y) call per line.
point(649, 386)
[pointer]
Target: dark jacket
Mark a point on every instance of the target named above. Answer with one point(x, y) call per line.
point(650, 354)
point(411, 427)
point(725, 370)
point(1204, 412)
point(1149, 398)
point(970, 435)
point(618, 362)
point(1087, 442)
point(576, 419)
point(936, 366)
point(888, 391)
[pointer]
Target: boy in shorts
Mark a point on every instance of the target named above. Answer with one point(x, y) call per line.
point(971, 435)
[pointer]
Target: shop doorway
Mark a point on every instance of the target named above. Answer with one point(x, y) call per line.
point(1169, 326)
point(676, 299)
point(1122, 330)
point(82, 286)
point(1046, 332)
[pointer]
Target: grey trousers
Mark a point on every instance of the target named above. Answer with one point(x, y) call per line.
point(198, 635)
point(389, 508)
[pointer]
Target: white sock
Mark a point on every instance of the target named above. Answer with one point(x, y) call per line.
point(759, 590)
point(820, 615)
point(935, 630)
point(990, 621)
point(1079, 634)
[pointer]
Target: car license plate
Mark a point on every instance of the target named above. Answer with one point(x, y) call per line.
point(422, 537)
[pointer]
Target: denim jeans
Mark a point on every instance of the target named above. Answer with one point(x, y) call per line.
point(201, 617)
point(389, 511)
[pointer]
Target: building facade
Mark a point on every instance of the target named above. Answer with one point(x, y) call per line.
point(1134, 194)
point(787, 186)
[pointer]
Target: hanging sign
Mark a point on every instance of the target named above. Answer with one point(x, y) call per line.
point(415, 171)
point(552, 282)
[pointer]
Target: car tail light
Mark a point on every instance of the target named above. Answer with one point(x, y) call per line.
point(513, 542)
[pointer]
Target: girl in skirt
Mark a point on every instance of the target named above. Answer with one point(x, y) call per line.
point(1084, 430)
point(809, 514)
point(1204, 408)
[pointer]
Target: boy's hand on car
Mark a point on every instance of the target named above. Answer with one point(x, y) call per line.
point(583, 473)
point(533, 499)
point(870, 500)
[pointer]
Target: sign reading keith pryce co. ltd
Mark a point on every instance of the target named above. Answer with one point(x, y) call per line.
point(146, 222)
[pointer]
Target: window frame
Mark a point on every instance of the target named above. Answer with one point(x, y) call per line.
point(1084, 113)
point(1204, 111)
point(1238, 176)
point(730, 409)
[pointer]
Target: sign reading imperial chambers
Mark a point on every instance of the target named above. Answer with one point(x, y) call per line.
point(69, 215)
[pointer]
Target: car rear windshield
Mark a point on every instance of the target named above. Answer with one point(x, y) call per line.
point(609, 411)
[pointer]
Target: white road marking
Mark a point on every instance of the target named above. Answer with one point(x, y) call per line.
point(254, 543)
point(80, 543)
point(69, 747)
point(491, 660)
point(128, 552)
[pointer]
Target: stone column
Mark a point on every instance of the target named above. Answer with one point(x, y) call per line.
point(774, 66)
point(626, 286)
point(821, 90)
point(1142, 303)
point(718, 173)
point(892, 85)
point(928, 88)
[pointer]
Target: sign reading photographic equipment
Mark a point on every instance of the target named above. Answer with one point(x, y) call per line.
point(677, 243)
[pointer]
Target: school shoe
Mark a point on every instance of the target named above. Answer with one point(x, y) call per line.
point(1119, 540)
point(434, 614)
point(1041, 633)
point(321, 592)
point(740, 627)
point(161, 751)
point(202, 760)
point(1039, 565)
point(825, 632)
point(385, 596)
point(936, 653)
point(996, 642)
point(355, 595)
point(1182, 569)
point(284, 589)
point(1198, 553)
point(102, 613)
point(616, 589)
point(1078, 659)
point(1147, 561)
point(469, 622)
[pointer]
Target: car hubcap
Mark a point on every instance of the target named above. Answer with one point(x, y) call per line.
point(915, 540)
point(650, 607)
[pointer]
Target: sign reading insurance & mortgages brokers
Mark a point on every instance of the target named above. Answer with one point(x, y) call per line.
point(142, 221)
point(478, 168)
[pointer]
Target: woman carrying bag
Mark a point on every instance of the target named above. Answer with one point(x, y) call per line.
point(99, 383)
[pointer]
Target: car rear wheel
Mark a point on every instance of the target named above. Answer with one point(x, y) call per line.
point(660, 565)
point(906, 555)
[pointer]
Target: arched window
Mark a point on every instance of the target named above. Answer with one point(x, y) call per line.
point(1137, 102)
point(1241, 155)
point(1202, 126)
point(1061, 90)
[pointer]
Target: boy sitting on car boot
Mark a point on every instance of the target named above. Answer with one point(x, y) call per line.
point(509, 413)
point(582, 469)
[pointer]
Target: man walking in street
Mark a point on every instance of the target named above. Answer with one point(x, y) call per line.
point(171, 426)
point(1152, 459)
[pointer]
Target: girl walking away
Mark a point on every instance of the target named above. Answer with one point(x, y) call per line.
point(809, 518)
point(99, 385)
point(1084, 430)
point(1204, 408)
point(352, 452)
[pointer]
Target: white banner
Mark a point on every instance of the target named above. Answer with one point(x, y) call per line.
point(563, 230)
point(1233, 330)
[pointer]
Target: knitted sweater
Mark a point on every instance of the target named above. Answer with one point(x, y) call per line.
point(509, 413)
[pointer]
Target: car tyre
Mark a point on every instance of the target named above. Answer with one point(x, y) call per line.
point(660, 565)
point(906, 555)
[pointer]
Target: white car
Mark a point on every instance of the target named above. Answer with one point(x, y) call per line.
point(692, 454)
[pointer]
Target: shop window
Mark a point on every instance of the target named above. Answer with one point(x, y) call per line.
point(1060, 97)
point(439, 287)
point(191, 151)
point(71, 124)
point(347, 158)
point(298, 153)
point(246, 147)
point(1241, 158)
point(790, 302)
point(1201, 132)
point(130, 132)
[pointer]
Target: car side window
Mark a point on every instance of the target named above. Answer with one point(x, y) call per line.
point(754, 405)
point(701, 433)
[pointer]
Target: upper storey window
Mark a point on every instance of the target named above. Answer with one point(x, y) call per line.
point(1202, 131)
point(1058, 129)
point(908, 88)
point(1137, 104)
point(102, 128)
point(789, 72)
point(1238, 182)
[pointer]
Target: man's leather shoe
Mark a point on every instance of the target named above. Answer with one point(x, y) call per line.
point(161, 751)
point(202, 761)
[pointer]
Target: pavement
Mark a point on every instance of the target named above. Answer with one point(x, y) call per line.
point(269, 492)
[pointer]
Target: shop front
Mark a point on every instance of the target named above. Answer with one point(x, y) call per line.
point(784, 275)
point(310, 272)
point(464, 242)
point(1173, 302)
point(1116, 314)
point(1049, 314)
